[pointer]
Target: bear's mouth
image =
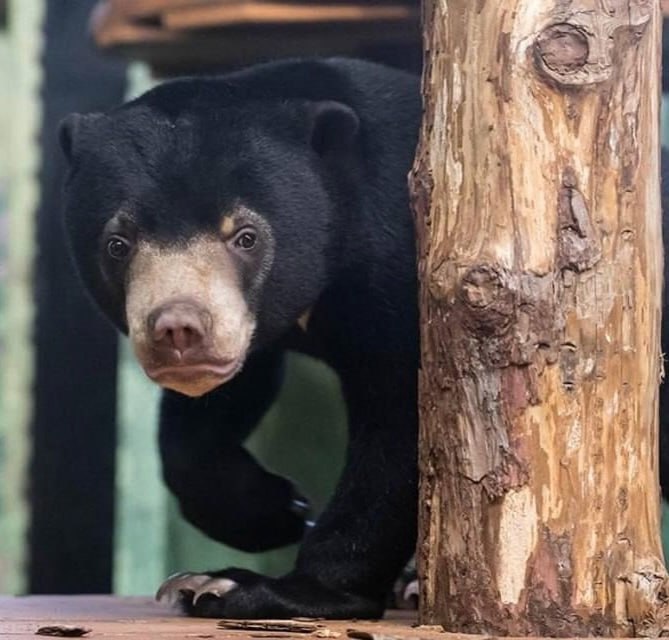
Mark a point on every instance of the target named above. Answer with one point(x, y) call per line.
point(208, 374)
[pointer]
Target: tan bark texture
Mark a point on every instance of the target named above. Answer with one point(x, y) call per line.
point(537, 203)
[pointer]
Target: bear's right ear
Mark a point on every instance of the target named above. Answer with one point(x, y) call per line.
point(70, 132)
point(334, 126)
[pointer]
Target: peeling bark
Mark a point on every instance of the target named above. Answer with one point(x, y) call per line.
point(536, 194)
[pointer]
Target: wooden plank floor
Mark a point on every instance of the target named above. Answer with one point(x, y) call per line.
point(132, 618)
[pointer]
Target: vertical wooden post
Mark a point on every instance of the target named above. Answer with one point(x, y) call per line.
point(538, 211)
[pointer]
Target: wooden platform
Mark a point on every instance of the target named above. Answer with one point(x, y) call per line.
point(133, 618)
point(177, 36)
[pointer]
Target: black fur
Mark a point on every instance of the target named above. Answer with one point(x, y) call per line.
point(322, 150)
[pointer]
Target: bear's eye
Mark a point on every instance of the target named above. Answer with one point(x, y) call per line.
point(118, 248)
point(246, 240)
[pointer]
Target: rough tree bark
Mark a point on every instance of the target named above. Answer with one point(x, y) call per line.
point(536, 193)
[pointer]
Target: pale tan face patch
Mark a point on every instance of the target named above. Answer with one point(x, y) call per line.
point(201, 271)
point(227, 226)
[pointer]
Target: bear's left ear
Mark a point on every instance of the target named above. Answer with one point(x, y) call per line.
point(334, 126)
point(70, 132)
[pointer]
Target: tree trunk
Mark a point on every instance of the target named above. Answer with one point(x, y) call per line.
point(537, 199)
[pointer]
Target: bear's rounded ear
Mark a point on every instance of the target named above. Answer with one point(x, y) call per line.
point(70, 130)
point(334, 126)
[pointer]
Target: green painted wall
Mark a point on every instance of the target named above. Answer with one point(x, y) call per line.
point(141, 536)
point(20, 113)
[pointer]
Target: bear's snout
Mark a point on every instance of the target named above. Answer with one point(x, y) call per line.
point(179, 348)
point(187, 316)
point(179, 328)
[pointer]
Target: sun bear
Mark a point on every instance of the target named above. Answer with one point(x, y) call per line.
point(221, 221)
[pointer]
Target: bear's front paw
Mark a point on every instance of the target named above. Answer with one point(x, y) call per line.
point(239, 593)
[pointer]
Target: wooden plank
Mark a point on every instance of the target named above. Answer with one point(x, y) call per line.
point(250, 36)
point(280, 13)
point(171, 52)
point(109, 617)
point(104, 617)
point(110, 29)
point(149, 8)
point(129, 618)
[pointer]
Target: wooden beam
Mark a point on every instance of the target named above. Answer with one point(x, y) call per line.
point(224, 14)
point(111, 28)
point(171, 52)
point(187, 36)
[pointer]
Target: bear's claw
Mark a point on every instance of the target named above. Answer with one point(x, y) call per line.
point(197, 584)
point(216, 586)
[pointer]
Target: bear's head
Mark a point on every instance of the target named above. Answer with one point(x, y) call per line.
point(204, 223)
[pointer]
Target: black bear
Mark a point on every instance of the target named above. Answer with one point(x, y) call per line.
point(221, 221)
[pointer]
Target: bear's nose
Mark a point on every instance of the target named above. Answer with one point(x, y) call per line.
point(179, 325)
